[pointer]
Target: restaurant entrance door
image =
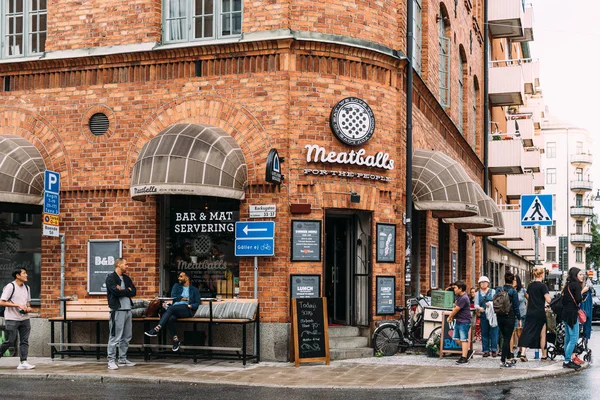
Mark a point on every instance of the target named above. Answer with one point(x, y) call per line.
point(347, 267)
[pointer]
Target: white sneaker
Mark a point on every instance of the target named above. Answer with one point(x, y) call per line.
point(25, 365)
point(112, 365)
point(126, 363)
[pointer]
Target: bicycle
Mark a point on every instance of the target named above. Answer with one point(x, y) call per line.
point(393, 336)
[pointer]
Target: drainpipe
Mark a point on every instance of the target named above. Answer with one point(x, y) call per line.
point(486, 116)
point(408, 193)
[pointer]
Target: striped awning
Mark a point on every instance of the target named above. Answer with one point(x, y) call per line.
point(190, 159)
point(496, 230)
point(440, 184)
point(485, 218)
point(21, 171)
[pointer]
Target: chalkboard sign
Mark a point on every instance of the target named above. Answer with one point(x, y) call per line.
point(305, 286)
point(386, 295)
point(102, 255)
point(447, 344)
point(309, 323)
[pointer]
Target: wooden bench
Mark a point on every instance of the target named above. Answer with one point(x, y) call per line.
point(96, 311)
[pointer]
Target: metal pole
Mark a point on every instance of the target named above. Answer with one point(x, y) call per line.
point(409, 151)
point(486, 116)
point(535, 232)
point(255, 336)
point(62, 287)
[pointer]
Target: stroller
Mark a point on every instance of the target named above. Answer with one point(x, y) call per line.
point(555, 340)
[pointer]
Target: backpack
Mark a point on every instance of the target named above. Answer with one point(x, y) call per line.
point(2, 308)
point(502, 303)
point(556, 304)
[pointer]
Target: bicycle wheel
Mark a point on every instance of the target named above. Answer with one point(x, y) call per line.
point(387, 339)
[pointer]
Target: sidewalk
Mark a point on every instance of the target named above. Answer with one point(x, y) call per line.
point(401, 371)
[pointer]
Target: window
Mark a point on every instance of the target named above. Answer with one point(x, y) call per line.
point(551, 175)
point(474, 114)
point(417, 36)
point(579, 227)
point(551, 150)
point(579, 148)
point(444, 50)
point(578, 254)
point(551, 230)
point(186, 21)
point(579, 174)
point(578, 200)
point(25, 27)
point(461, 92)
point(551, 253)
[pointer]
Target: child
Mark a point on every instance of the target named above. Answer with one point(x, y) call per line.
point(462, 314)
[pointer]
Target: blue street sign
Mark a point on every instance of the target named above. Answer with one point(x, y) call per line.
point(51, 203)
point(536, 209)
point(51, 182)
point(255, 247)
point(255, 238)
point(255, 229)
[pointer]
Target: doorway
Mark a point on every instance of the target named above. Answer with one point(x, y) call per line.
point(347, 267)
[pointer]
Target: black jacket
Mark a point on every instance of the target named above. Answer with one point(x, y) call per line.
point(112, 281)
point(571, 304)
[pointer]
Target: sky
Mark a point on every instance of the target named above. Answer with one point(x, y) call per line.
point(566, 33)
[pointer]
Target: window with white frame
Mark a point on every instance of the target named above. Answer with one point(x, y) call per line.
point(24, 27)
point(551, 176)
point(417, 36)
point(551, 253)
point(579, 227)
point(551, 229)
point(579, 148)
point(188, 21)
point(551, 150)
point(474, 115)
point(461, 91)
point(444, 50)
point(578, 254)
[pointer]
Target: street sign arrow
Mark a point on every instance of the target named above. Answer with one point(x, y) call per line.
point(247, 229)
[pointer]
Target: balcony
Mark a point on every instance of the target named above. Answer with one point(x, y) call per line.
point(511, 214)
point(531, 75)
point(538, 181)
point(530, 254)
point(516, 185)
point(582, 212)
point(581, 238)
point(521, 124)
point(581, 185)
point(582, 160)
point(527, 24)
point(506, 157)
point(507, 85)
point(528, 242)
point(531, 160)
point(506, 18)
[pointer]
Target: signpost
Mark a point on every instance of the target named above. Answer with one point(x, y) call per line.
point(50, 218)
point(536, 211)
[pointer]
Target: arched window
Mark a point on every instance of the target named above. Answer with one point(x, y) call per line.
point(462, 66)
point(444, 52)
point(475, 95)
point(417, 56)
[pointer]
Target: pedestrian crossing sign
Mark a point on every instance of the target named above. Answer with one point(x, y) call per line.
point(536, 209)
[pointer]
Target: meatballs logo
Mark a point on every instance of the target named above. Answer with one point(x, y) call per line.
point(352, 121)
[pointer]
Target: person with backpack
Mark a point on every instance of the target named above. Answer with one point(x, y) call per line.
point(489, 334)
point(506, 306)
point(16, 298)
point(571, 299)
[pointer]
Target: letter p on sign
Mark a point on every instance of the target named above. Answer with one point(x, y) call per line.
point(52, 182)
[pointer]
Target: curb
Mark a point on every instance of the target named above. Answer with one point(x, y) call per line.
point(132, 378)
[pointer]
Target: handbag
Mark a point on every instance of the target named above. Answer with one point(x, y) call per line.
point(580, 313)
point(153, 308)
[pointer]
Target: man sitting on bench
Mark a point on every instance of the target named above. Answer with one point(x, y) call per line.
point(186, 300)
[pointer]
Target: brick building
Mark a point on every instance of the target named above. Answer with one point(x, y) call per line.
point(160, 118)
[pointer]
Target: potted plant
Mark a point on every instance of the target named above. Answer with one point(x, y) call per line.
point(433, 345)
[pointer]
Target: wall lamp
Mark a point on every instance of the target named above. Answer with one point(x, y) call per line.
point(354, 197)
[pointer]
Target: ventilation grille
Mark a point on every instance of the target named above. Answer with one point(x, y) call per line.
point(99, 124)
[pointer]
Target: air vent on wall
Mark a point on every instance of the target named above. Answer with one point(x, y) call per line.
point(99, 124)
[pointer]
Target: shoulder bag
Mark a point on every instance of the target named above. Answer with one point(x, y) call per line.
point(580, 312)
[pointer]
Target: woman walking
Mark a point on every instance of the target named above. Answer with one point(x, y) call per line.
point(489, 335)
point(571, 300)
point(522, 292)
point(534, 330)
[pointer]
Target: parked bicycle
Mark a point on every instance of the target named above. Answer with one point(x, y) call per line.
point(392, 336)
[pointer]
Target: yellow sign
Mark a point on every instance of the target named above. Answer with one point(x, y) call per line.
point(49, 219)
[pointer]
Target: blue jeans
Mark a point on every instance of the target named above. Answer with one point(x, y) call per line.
point(170, 316)
point(489, 335)
point(461, 332)
point(571, 336)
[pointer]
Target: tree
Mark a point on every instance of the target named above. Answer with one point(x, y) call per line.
point(592, 253)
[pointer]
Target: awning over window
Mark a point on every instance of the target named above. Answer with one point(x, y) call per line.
point(190, 159)
point(440, 184)
point(485, 218)
point(496, 230)
point(21, 171)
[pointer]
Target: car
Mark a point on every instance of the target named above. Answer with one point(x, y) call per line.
point(595, 292)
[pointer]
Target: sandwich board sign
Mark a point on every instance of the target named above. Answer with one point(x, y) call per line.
point(536, 209)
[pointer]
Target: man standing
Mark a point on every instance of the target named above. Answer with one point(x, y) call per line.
point(119, 290)
point(462, 313)
point(16, 298)
point(186, 300)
